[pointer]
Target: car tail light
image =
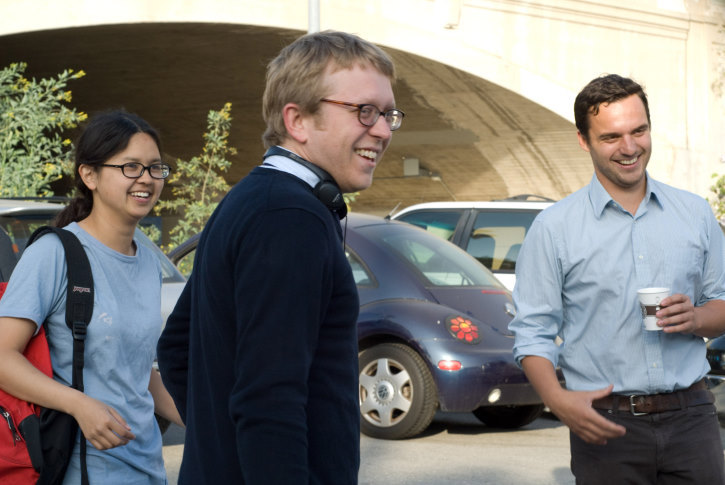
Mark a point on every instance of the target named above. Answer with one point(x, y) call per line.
point(451, 365)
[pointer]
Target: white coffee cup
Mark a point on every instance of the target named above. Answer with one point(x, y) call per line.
point(649, 302)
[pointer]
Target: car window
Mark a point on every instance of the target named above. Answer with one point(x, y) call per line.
point(496, 237)
point(185, 264)
point(19, 227)
point(361, 275)
point(438, 262)
point(182, 255)
point(441, 223)
point(8, 258)
point(169, 272)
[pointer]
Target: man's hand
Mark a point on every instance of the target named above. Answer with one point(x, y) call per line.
point(574, 409)
point(677, 314)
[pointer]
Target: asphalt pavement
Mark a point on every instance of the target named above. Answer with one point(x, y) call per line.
point(455, 449)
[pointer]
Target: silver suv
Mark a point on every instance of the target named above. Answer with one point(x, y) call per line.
point(19, 218)
point(492, 232)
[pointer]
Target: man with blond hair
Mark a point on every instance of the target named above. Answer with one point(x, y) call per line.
point(260, 353)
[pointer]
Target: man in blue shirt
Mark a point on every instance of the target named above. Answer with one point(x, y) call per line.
point(635, 401)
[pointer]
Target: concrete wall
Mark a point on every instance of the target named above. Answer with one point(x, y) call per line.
point(543, 50)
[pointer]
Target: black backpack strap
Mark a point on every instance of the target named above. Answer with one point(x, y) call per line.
point(78, 307)
point(79, 301)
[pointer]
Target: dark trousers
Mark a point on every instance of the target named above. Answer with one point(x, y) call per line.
point(677, 447)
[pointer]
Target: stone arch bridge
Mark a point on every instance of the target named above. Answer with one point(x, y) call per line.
point(487, 85)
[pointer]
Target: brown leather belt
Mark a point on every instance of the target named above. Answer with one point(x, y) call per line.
point(639, 405)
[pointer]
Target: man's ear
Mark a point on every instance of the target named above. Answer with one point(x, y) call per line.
point(295, 122)
point(89, 175)
point(582, 141)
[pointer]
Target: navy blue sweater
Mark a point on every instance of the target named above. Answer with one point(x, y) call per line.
point(260, 353)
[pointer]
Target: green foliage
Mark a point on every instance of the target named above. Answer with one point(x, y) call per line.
point(153, 232)
point(197, 184)
point(718, 202)
point(350, 198)
point(33, 115)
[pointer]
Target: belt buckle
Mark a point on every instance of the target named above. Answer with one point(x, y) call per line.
point(631, 406)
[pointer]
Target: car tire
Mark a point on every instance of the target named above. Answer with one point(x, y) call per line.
point(398, 397)
point(508, 417)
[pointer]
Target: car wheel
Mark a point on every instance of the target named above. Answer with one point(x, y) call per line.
point(508, 416)
point(398, 397)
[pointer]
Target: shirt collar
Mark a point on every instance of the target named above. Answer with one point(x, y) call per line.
point(654, 192)
point(600, 198)
point(284, 164)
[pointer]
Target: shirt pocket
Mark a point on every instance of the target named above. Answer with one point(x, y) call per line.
point(681, 264)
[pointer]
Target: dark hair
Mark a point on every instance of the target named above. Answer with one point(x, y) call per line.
point(105, 135)
point(604, 89)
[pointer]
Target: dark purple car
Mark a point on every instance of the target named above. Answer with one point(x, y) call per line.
point(432, 332)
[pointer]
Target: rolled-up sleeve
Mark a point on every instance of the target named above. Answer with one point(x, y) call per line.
point(713, 276)
point(537, 296)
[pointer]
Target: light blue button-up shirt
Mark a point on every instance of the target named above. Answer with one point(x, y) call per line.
point(577, 277)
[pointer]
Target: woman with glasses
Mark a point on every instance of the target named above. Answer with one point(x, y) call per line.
point(119, 177)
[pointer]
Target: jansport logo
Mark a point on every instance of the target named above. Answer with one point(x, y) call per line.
point(81, 289)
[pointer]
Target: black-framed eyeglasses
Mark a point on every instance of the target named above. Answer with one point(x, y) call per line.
point(134, 170)
point(368, 114)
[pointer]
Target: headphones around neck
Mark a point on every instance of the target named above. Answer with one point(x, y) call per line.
point(327, 190)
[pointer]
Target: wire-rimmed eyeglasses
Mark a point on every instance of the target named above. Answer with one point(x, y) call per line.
point(368, 114)
point(134, 170)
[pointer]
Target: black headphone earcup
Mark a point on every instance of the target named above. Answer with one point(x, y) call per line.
point(329, 194)
point(327, 190)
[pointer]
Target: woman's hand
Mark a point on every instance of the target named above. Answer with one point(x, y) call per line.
point(101, 424)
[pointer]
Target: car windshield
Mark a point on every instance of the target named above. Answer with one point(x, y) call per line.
point(437, 261)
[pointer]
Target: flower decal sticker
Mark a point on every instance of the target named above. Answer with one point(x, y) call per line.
point(463, 329)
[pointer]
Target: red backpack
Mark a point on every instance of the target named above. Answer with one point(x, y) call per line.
point(15, 464)
point(36, 443)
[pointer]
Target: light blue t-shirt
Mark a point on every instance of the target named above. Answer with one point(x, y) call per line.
point(120, 344)
point(577, 276)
